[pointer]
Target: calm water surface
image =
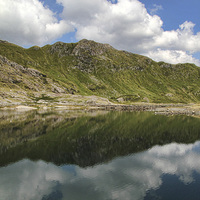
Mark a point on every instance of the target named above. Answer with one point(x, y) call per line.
point(98, 156)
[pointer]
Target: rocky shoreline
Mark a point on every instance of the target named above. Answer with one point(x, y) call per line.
point(160, 109)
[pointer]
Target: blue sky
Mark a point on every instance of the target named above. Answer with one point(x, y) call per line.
point(176, 12)
point(162, 30)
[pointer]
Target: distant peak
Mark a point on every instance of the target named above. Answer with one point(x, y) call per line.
point(58, 43)
point(90, 47)
point(85, 41)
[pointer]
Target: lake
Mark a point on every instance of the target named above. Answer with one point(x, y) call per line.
point(99, 155)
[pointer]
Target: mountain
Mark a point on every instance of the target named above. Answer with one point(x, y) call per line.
point(89, 68)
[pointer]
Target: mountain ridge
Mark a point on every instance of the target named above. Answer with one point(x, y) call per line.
point(90, 68)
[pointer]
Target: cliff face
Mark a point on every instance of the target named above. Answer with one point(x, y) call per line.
point(90, 68)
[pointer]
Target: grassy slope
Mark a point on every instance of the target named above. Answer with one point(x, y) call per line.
point(90, 68)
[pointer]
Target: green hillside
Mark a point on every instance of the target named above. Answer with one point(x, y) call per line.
point(90, 68)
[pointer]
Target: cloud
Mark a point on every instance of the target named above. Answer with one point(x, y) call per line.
point(123, 178)
point(125, 24)
point(180, 39)
point(155, 9)
point(172, 56)
point(28, 22)
point(29, 180)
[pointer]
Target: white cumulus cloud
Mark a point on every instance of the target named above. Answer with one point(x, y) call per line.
point(28, 22)
point(155, 9)
point(181, 39)
point(172, 56)
point(125, 24)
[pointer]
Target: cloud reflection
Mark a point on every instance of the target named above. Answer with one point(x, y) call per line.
point(124, 178)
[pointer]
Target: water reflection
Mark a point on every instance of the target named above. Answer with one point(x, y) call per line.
point(87, 139)
point(98, 155)
point(130, 177)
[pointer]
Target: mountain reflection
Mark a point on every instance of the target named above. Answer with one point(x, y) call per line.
point(129, 177)
point(87, 139)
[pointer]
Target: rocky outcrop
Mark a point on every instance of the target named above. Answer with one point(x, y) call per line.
point(84, 48)
point(20, 68)
point(62, 49)
point(90, 48)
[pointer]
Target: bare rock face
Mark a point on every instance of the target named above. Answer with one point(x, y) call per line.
point(61, 48)
point(90, 48)
point(83, 48)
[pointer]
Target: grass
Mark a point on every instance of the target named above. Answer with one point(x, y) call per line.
point(111, 74)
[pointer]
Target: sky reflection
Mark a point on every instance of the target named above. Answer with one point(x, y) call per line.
point(124, 178)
